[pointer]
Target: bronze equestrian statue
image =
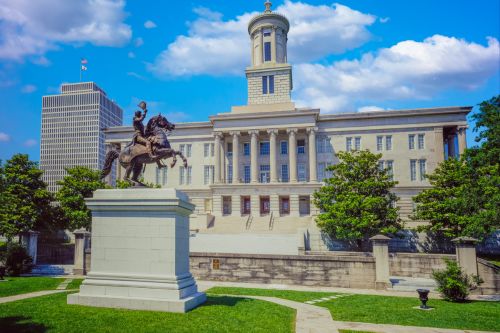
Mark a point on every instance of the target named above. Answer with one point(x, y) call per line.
point(148, 145)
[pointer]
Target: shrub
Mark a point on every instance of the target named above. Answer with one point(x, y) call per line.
point(453, 284)
point(16, 260)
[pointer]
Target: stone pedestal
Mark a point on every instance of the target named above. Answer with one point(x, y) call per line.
point(29, 240)
point(140, 252)
point(381, 254)
point(466, 254)
point(82, 242)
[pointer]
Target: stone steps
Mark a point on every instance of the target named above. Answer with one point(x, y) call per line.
point(52, 270)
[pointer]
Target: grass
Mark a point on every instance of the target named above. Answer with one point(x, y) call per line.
point(351, 331)
point(218, 314)
point(491, 258)
point(473, 315)
point(22, 285)
point(75, 284)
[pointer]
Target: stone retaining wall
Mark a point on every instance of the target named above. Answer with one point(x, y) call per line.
point(418, 265)
point(310, 270)
point(490, 275)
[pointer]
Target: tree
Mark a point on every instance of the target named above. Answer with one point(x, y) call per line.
point(357, 202)
point(465, 196)
point(25, 202)
point(80, 183)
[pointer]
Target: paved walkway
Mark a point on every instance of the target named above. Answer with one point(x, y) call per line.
point(60, 289)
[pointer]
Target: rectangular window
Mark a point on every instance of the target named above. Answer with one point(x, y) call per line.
point(189, 174)
point(379, 143)
point(267, 32)
point(271, 84)
point(421, 141)
point(381, 165)
point(267, 51)
point(321, 171)
point(182, 175)
point(284, 147)
point(229, 149)
point(265, 170)
point(206, 149)
point(206, 174)
point(246, 149)
point(264, 85)
point(421, 166)
point(390, 169)
point(388, 142)
point(182, 149)
point(157, 176)
point(229, 174)
point(284, 173)
point(413, 170)
point(246, 173)
point(301, 146)
point(264, 148)
point(164, 176)
point(357, 143)
point(411, 141)
point(188, 150)
point(212, 149)
point(348, 144)
point(301, 172)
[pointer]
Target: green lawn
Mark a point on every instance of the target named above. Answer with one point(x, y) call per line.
point(218, 314)
point(22, 285)
point(351, 331)
point(75, 284)
point(393, 310)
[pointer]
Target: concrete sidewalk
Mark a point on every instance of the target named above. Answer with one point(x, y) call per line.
point(29, 295)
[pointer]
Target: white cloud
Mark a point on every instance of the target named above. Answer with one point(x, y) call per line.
point(217, 47)
point(149, 24)
point(31, 28)
point(4, 137)
point(28, 89)
point(384, 19)
point(131, 55)
point(370, 108)
point(30, 143)
point(407, 70)
point(137, 76)
point(138, 42)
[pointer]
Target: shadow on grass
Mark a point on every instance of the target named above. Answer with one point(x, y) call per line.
point(224, 300)
point(20, 324)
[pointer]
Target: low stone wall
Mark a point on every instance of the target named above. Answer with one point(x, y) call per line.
point(418, 265)
point(490, 275)
point(310, 270)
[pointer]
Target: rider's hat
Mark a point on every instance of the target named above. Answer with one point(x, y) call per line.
point(142, 105)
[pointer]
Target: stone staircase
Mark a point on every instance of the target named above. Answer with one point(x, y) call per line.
point(52, 270)
point(257, 225)
point(412, 284)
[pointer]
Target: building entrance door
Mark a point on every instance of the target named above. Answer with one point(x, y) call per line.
point(304, 205)
point(265, 205)
point(245, 205)
point(284, 205)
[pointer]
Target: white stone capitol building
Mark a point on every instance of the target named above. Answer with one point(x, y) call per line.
point(255, 168)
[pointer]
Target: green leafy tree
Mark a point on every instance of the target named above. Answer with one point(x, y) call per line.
point(357, 202)
point(25, 202)
point(465, 196)
point(80, 183)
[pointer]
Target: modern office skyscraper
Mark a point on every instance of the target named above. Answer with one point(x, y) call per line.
point(72, 124)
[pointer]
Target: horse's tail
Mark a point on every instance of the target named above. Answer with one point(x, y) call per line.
point(108, 163)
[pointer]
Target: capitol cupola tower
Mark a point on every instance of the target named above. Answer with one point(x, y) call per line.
point(269, 76)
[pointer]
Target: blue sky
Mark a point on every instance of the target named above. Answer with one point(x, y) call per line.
point(187, 58)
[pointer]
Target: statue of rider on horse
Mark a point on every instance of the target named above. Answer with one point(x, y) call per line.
point(149, 145)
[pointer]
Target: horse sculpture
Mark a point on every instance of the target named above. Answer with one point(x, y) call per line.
point(134, 155)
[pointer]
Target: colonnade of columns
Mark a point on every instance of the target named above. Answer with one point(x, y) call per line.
point(273, 154)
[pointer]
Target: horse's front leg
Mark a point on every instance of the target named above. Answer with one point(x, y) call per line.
point(160, 164)
point(184, 159)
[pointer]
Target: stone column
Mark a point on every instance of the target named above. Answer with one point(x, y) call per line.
point(462, 142)
point(451, 145)
point(29, 240)
point(255, 205)
point(82, 242)
point(272, 157)
point(217, 205)
point(294, 205)
point(439, 141)
point(142, 264)
point(292, 153)
point(217, 167)
point(274, 201)
point(465, 248)
point(261, 45)
point(273, 44)
point(381, 255)
point(235, 204)
point(314, 209)
point(312, 154)
point(223, 170)
point(236, 156)
point(254, 152)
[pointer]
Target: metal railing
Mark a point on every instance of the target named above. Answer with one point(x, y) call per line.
point(271, 222)
point(249, 222)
